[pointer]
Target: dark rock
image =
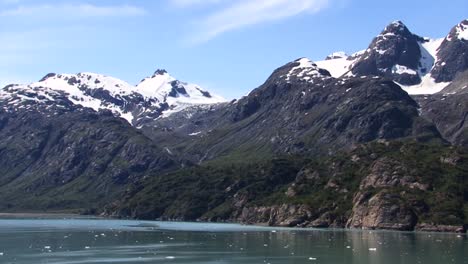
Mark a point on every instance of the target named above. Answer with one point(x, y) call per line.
point(395, 47)
point(49, 75)
point(452, 54)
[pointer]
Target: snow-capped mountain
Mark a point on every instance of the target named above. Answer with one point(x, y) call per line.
point(154, 97)
point(419, 65)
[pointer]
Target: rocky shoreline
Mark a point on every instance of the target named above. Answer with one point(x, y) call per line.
point(300, 216)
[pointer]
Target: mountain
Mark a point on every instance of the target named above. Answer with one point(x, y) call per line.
point(395, 54)
point(306, 111)
point(58, 155)
point(452, 54)
point(154, 97)
point(318, 146)
point(67, 142)
point(336, 143)
point(420, 65)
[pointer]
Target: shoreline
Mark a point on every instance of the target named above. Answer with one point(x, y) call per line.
point(51, 215)
point(63, 215)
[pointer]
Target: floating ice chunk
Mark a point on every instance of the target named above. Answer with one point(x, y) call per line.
point(170, 257)
point(348, 246)
point(1, 254)
point(46, 247)
point(87, 247)
point(372, 249)
point(311, 258)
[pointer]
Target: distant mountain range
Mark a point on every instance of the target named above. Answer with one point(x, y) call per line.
point(156, 96)
point(377, 139)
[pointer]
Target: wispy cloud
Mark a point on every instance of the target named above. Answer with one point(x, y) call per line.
point(234, 15)
point(71, 11)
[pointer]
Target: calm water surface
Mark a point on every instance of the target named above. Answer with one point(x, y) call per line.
point(116, 241)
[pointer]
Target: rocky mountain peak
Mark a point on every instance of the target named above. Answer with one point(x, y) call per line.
point(395, 53)
point(396, 27)
point(459, 32)
point(452, 54)
point(159, 72)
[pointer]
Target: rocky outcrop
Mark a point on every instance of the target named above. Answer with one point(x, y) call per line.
point(388, 173)
point(440, 228)
point(383, 210)
point(377, 206)
point(287, 215)
point(281, 215)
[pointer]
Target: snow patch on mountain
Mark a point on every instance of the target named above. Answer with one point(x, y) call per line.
point(341, 67)
point(306, 70)
point(157, 96)
point(427, 86)
point(336, 67)
point(166, 88)
point(401, 69)
point(461, 31)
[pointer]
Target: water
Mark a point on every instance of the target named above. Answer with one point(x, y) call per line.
point(69, 241)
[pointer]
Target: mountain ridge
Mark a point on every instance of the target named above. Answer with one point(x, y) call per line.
point(155, 96)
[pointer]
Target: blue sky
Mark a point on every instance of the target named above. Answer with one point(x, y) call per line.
point(227, 46)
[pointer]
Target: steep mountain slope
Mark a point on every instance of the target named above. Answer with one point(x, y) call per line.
point(448, 110)
point(155, 96)
point(57, 155)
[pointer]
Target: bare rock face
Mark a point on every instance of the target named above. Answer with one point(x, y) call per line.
point(381, 211)
point(279, 215)
point(387, 173)
point(385, 210)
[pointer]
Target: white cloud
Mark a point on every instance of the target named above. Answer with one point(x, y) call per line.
point(243, 13)
point(71, 11)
